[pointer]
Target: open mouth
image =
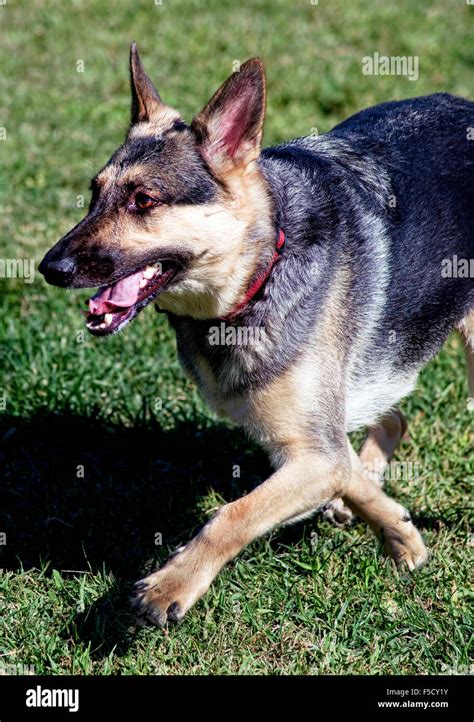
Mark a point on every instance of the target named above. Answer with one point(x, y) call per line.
point(112, 307)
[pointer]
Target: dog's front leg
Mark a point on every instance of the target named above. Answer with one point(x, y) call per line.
point(306, 480)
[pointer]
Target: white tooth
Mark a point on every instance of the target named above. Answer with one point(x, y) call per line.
point(142, 283)
point(108, 318)
point(149, 272)
point(102, 325)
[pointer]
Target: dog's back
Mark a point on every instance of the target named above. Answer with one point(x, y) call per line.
point(397, 179)
point(428, 149)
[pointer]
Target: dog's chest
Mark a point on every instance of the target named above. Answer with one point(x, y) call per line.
point(212, 371)
point(231, 406)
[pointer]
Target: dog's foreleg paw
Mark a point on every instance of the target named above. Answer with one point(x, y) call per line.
point(160, 598)
point(168, 593)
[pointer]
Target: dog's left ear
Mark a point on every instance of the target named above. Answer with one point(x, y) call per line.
point(229, 128)
point(145, 98)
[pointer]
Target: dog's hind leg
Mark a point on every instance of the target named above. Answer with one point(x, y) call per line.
point(381, 443)
point(387, 518)
point(466, 327)
point(379, 447)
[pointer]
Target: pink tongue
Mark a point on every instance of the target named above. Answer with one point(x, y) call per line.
point(121, 295)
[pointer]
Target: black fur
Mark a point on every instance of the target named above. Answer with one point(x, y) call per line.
point(325, 191)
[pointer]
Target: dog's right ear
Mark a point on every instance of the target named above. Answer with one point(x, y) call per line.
point(229, 128)
point(145, 98)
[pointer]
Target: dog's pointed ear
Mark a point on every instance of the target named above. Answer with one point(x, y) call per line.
point(229, 128)
point(145, 98)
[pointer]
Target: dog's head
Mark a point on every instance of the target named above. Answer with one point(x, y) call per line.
point(180, 211)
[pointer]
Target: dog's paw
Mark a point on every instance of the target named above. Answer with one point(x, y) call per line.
point(167, 594)
point(405, 545)
point(337, 513)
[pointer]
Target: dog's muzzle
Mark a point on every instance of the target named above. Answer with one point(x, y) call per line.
point(58, 273)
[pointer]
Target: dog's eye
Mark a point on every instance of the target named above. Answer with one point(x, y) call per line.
point(144, 201)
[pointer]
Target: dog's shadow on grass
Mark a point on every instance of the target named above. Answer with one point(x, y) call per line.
point(88, 496)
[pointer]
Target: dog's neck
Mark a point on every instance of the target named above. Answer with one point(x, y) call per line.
point(255, 288)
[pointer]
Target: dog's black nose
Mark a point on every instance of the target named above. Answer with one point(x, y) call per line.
point(58, 273)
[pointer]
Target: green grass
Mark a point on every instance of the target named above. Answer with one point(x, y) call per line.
point(155, 460)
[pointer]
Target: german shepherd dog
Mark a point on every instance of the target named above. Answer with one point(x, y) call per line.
point(336, 248)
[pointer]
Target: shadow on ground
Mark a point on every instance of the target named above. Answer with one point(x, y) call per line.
point(88, 496)
point(85, 495)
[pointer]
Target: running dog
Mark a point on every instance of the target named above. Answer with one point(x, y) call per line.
point(336, 249)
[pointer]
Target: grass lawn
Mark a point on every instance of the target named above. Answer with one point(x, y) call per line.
point(106, 449)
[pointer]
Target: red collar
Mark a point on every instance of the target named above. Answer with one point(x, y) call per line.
point(261, 279)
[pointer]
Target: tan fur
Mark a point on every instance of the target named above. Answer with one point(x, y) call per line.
point(304, 480)
point(381, 443)
point(107, 176)
point(384, 515)
point(302, 483)
point(214, 233)
point(161, 119)
point(466, 327)
point(283, 411)
point(378, 448)
point(307, 476)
